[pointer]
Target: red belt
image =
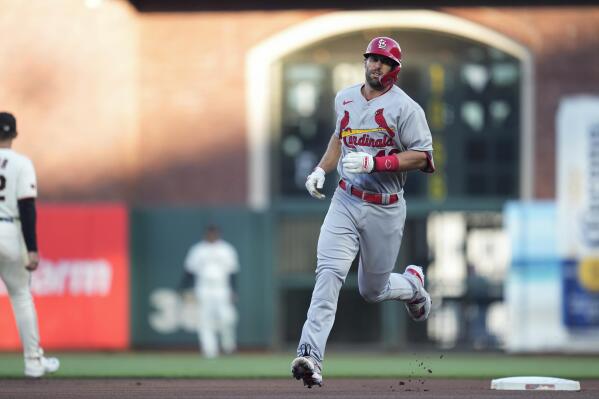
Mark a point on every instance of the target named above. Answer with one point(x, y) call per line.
point(373, 198)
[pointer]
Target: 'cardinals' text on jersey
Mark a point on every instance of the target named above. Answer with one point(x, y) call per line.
point(386, 125)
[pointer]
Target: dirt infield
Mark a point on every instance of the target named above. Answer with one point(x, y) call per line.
point(286, 389)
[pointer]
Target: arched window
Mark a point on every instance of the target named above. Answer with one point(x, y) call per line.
point(474, 84)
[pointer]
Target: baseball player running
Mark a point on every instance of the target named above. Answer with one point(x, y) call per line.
point(18, 244)
point(380, 135)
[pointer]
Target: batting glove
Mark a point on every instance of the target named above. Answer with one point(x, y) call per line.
point(358, 162)
point(314, 183)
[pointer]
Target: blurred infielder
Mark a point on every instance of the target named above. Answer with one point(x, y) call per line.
point(381, 134)
point(18, 244)
point(213, 261)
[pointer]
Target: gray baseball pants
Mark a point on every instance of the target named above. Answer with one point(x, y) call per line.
point(352, 224)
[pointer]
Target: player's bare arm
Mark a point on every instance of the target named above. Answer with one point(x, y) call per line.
point(331, 156)
point(412, 160)
point(315, 180)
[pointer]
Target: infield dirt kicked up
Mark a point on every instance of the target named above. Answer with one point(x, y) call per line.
point(272, 388)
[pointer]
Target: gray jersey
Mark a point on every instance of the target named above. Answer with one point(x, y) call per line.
point(385, 125)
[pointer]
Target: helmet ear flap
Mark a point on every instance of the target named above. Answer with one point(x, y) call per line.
point(390, 77)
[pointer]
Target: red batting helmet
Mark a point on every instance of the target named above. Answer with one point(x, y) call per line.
point(389, 48)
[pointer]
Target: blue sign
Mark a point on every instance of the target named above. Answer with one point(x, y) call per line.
point(580, 306)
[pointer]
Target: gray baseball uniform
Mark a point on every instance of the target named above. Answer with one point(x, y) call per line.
point(386, 125)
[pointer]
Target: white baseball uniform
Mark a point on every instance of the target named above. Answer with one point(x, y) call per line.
point(17, 181)
point(213, 263)
point(385, 125)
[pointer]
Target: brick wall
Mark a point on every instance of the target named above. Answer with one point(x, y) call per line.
point(69, 74)
point(149, 108)
point(192, 103)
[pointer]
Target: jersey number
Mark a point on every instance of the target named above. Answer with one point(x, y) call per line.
point(2, 186)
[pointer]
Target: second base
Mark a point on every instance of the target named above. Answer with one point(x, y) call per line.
point(535, 384)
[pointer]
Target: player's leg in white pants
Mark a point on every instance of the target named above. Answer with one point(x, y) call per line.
point(337, 248)
point(380, 240)
point(17, 279)
point(228, 317)
point(207, 328)
point(199, 320)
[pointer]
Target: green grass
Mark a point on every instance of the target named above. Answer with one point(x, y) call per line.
point(367, 365)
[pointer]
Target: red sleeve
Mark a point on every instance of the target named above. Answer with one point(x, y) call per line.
point(430, 164)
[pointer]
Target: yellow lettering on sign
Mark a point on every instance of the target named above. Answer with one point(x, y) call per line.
point(588, 274)
point(437, 75)
point(436, 115)
point(437, 188)
point(437, 184)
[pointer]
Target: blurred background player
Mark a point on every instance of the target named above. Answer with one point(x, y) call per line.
point(213, 262)
point(18, 191)
point(381, 134)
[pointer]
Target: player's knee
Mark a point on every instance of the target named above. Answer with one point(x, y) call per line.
point(330, 272)
point(370, 295)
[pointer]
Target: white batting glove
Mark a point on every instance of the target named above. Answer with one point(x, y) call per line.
point(358, 162)
point(314, 183)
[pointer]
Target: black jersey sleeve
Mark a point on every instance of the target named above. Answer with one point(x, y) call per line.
point(28, 216)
